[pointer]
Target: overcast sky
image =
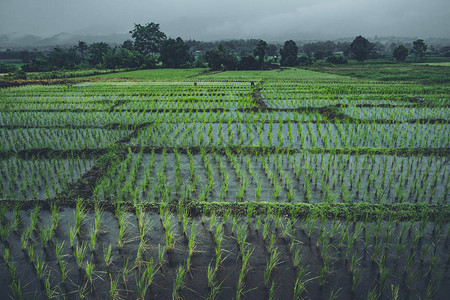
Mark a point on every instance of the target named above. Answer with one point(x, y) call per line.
point(225, 19)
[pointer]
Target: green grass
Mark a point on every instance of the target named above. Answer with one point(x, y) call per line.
point(419, 73)
point(155, 74)
point(281, 74)
point(435, 64)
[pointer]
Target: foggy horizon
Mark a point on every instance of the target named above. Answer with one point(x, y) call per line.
point(207, 21)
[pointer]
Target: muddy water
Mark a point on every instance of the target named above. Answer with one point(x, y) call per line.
point(298, 135)
point(39, 179)
point(313, 178)
point(421, 265)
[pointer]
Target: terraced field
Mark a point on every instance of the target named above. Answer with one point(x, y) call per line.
point(225, 186)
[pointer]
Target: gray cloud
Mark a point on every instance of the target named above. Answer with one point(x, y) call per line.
point(213, 20)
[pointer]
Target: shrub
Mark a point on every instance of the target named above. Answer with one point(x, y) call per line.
point(337, 60)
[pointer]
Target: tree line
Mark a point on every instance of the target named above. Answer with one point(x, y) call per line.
point(151, 48)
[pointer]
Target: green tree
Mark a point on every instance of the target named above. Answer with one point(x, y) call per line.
point(7, 68)
point(123, 58)
point(289, 54)
point(128, 44)
point(96, 53)
point(319, 54)
point(38, 64)
point(219, 59)
point(175, 53)
point(147, 38)
point(419, 48)
point(260, 51)
point(63, 59)
point(360, 47)
point(248, 62)
point(400, 53)
point(82, 47)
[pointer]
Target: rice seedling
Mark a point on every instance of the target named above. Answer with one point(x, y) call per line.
point(125, 272)
point(274, 260)
point(113, 289)
point(142, 283)
point(299, 286)
point(178, 283)
point(89, 269)
point(122, 228)
point(161, 251)
point(45, 236)
point(55, 216)
point(373, 294)
point(72, 235)
point(23, 241)
point(79, 254)
point(93, 236)
point(395, 292)
point(212, 221)
point(34, 217)
point(241, 238)
point(272, 291)
point(107, 256)
point(16, 289)
point(211, 274)
point(6, 256)
point(226, 216)
point(191, 246)
point(266, 227)
point(63, 271)
point(4, 233)
point(40, 266)
point(184, 221)
point(31, 253)
point(334, 294)
point(59, 251)
point(98, 219)
point(79, 215)
point(243, 272)
point(17, 219)
point(168, 231)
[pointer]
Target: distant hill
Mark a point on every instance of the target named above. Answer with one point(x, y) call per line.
point(14, 40)
point(26, 41)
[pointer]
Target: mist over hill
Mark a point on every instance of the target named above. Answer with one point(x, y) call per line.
point(63, 39)
point(66, 39)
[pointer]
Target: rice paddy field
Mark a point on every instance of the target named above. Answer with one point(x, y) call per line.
point(236, 185)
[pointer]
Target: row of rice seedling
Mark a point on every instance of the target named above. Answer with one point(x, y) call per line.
point(64, 252)
point(39, 179)
point(296, 134)
point(298, 93)
point(225, 103)
point(397, 113)
point(12, 98)
point(314, 94)
point(228, 100)
point(101, 119)
point(70, 119)
point(108, 89)
point(61, 138)
point(314, 100)
point(49, 106)
point(285, 99)
point(352, 88)
point(302, 177)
